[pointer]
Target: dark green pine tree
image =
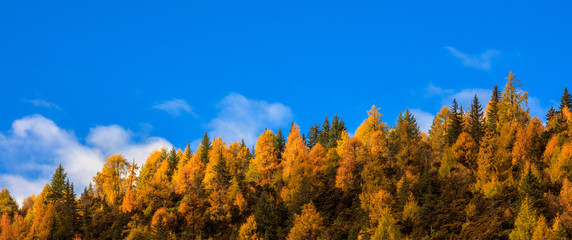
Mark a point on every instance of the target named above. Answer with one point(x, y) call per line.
point(58, 185)
point(493, 111)
point(313, 135)
point(550, 114)
point(455, 126)
point(69, 213)
point(264, 215)
point(476, 120)
point(172, 159)
point(280, 142)
point(86, 219)
point(338, 126)
point(565, 100)
point(205, 148)
point(222, 173)
point(324, 136)
point(530, 187)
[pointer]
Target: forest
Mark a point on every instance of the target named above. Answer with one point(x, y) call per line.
point(488, 171)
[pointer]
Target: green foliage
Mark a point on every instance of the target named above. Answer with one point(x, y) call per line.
point(455, 127)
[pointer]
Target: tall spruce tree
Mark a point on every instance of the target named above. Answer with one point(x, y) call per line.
point(58, 185)
point(476, 120)
point(493, 110)
point(280, 142)
point(173, 160)
point(313, 135)
point(324, 136)
point(565, 100)
point(205, 148)
point(455, 126)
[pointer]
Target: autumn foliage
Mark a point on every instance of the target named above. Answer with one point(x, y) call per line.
point(489, 172)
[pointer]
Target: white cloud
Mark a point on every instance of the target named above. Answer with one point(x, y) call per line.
point(242, 118)
point(482, 61)
point(42, 103)
point(35, 145)
point(424, 119)
point(175, 107)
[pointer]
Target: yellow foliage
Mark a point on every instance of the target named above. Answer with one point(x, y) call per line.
point(351, 165)
point(307, 225)
point(370, 125)
point(6, 232)
point(465, 150)
point(411, 209)
point(266, 161)
point(439, 129)
point(561, 165)
point(295, 153)
point(110, 182)
point(248, 230)
point(218, 154)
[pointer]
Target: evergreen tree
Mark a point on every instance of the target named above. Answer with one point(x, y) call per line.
point(173, 160)
point(530, 188)
point(565, 100)
point(58, 185)
point(455, 124)
point(550, 114)
point(206, 146)
point(338, 126)
point(280, 142)
point(324, 136)
point(493, 110)
point(264, 215)
point(313, 135)
point(475, 120)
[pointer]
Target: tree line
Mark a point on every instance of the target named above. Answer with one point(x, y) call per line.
point(490, 172)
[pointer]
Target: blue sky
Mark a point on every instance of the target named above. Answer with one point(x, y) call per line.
point(84, 79)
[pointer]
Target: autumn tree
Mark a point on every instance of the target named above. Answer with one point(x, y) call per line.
point(296, 170)
point(110, 182)
point(465, 150)
point(248, 230)
point(525, 222)
point(264, 167)
point(307, 225)
point(352, 161)
point(514, 101)
point(438, 130)
point(7, 203)
point(370, 125)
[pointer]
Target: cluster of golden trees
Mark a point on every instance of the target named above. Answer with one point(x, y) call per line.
point(493, 173)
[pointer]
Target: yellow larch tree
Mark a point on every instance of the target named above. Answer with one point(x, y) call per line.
point(266, 165)
point(307, 225)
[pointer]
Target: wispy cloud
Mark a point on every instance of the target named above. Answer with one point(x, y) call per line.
point(463, 96)
point(44, 145)
point(482, 61)
point(242, 118)
point(42, 103)
point(175, 107)
point(424, 119)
